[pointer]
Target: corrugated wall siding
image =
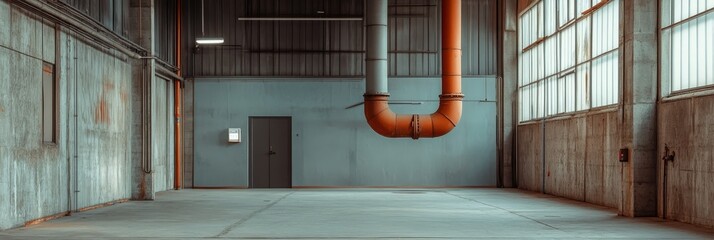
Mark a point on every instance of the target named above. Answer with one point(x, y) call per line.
point(329, 49)
point(165, 22)
point(113, 14)
point(93, 121)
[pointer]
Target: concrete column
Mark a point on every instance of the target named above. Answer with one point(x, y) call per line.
point(142, 27)
point(638, 64)
point(508, 70)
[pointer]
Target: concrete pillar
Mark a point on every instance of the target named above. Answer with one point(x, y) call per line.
point(508, 70)
point(142, 27)
point(638, 64)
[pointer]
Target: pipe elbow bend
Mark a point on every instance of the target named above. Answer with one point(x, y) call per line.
point(379, 117)
point(442, 121)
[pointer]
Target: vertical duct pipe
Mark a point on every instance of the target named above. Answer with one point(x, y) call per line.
point(376, 99)
point(177, 103)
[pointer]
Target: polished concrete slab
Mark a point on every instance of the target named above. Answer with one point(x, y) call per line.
point(356, 214)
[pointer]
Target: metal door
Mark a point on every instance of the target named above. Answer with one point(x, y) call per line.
point(270, 152)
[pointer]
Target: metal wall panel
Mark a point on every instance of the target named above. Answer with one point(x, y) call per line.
point(165, 22)
point(113, 14)
point(162, 149)
point(334, 146)
point(329, 49)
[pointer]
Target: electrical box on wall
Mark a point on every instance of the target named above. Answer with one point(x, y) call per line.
point(624, 154)
point(234, 135)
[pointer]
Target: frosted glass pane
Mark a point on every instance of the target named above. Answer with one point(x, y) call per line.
point(526, 67)
point(676, 62)
point(520, 70)
point(539, 21)
point(584, 5)
point(561, 95)
point(614, 86)
point(597, 28)
point(541, 99)
point(702, 4)
point(686, 32)
point(549, 16)
point(524, 98)
point(533, 62)
point(570, 93)
point(710, 46)
point(551, 55)
point(605, 80)
point(551, 92)
point(566, 10)
point(567, 48)
point(582, 87)
point(583, 38)
point(701, 55)
point(666, 6)
point(596, 82)
point(606, 28)
point(539, 61)
point(666, 70)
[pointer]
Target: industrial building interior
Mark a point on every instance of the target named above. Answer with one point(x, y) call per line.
point(357, 119)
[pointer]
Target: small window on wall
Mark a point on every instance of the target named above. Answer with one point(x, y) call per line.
point(49, 97)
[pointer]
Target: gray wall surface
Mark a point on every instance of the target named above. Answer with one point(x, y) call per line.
point(162, 135)
point(36, 178)
point(687, 126)
point(334, 146)
point(580, 158)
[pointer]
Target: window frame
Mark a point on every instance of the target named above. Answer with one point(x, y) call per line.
point(527, 83)
point(50, 69)
point(667, 25)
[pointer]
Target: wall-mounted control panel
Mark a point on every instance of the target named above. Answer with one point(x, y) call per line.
point(624, 155)
point(234, 135)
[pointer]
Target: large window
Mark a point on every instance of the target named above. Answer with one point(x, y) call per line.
point(687, 45)
point(569, 57)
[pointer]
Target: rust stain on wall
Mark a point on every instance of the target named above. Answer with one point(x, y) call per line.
point(124, 96)
point(108, 86)
point(101, 112)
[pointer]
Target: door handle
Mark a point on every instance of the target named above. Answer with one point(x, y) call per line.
point(271, 152)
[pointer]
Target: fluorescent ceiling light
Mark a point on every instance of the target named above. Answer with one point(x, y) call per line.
point(299, 19)
point(209, 40)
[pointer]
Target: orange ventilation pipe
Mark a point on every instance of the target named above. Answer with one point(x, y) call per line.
point(376, 99)
point(177, 104)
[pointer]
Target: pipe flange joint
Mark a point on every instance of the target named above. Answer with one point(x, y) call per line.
point(416, 129)
point(452, 96)
point(375, 96)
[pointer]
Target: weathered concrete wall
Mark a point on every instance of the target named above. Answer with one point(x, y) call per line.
point(580, 158)
point(687, 127)
point(98, 94)
point(32, 173)
point(334, 146)
point(530, 158)
point(90, 163)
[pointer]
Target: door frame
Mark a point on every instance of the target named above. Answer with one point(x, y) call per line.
point(250, 146)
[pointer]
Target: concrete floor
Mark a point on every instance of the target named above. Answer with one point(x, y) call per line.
point(356, 213)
